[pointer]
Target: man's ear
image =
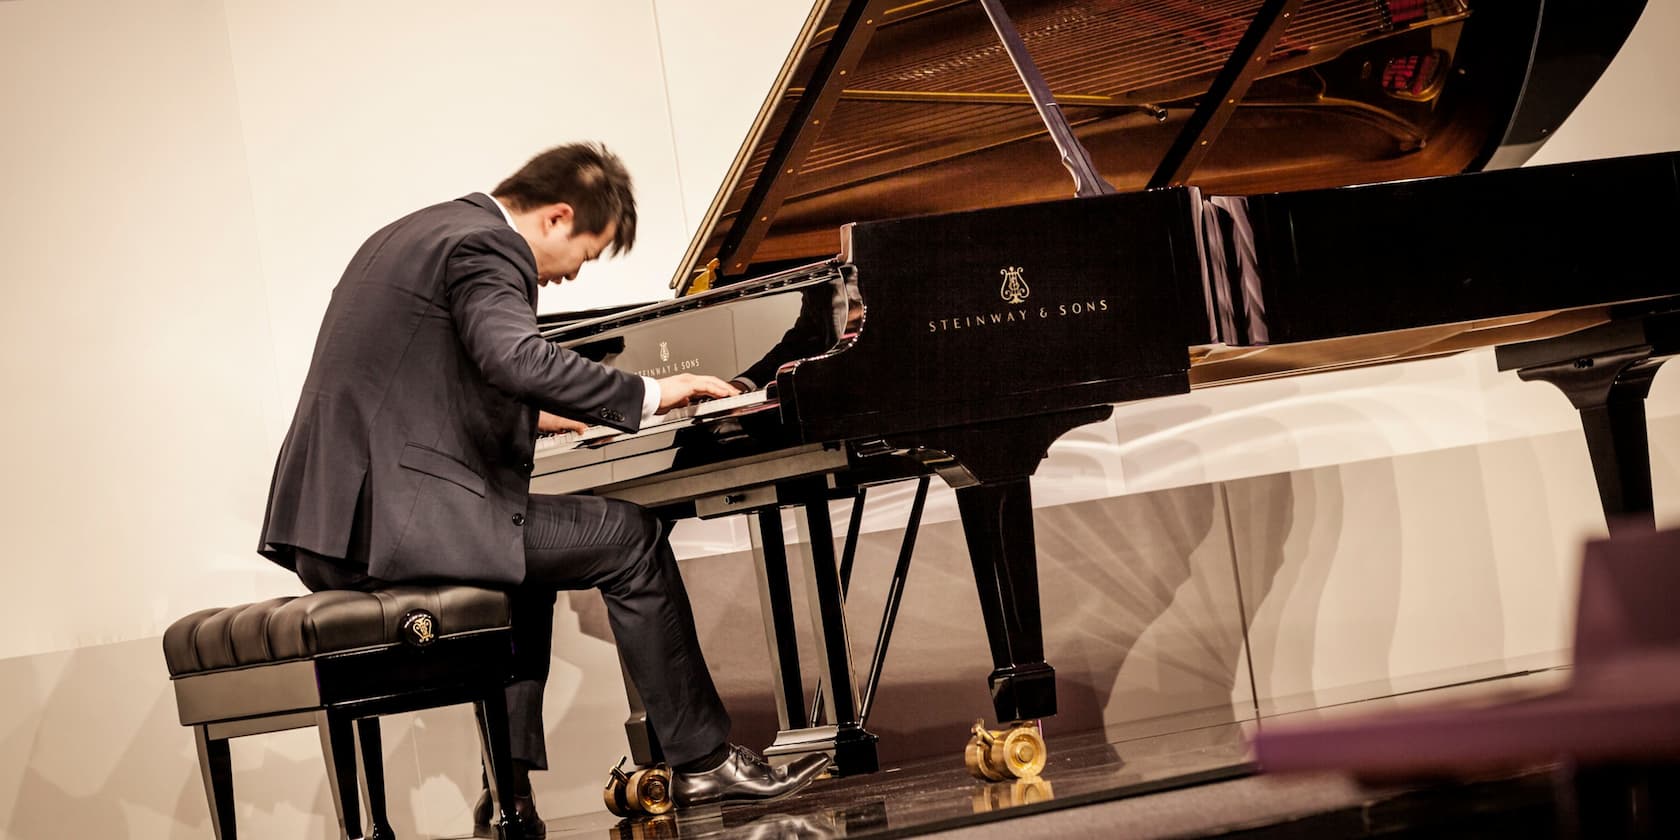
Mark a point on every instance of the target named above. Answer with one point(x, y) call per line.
point(558, 214)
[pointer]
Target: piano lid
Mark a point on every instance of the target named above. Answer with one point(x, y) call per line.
point(891, 108)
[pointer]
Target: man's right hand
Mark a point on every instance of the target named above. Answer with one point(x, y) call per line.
point(682, 389)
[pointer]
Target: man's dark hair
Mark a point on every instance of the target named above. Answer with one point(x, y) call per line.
point(584, 175)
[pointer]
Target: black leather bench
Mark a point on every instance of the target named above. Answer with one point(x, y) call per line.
point(336, 661)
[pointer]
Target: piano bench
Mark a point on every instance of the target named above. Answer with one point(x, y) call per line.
point(337, 660)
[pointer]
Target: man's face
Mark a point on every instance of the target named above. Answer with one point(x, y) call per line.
point(561, 251)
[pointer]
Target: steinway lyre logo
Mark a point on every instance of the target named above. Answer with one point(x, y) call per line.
point(419, 628)
point(1014, 287)
point(664, 351)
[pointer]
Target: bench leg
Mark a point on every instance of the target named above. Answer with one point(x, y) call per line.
point(216, 768)
point(373, 778)
point(494, 738)
point(338, 747)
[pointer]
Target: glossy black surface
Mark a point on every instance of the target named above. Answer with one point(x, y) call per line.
point(721, 333)
point(938, 794)
point(1322, 264)
point(1009, 312)
point(965, 343)
point(968, 358)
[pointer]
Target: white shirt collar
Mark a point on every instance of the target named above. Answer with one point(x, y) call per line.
point(505, 213)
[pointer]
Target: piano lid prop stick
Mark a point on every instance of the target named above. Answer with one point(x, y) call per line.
point(1086, 179)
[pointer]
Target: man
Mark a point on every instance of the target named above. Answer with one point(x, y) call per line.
point(409, 456)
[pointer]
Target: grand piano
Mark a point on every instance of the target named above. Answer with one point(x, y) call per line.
point(959, 229)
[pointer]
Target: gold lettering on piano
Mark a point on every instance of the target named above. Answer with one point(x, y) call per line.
point(668, 369)
point(1071, 309)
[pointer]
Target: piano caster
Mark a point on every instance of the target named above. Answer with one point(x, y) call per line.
point(639, 793)
point(1013, 795)
point(663, 827)
point(1018, 752)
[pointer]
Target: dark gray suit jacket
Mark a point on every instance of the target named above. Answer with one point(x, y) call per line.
point(410, 452)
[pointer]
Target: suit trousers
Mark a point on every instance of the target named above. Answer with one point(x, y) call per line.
point(621, 549)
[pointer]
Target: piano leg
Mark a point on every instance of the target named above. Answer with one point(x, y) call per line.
point(854, 748)
point(776, 601)
point(1606, 373)
point(991, 465)
point(1619, 443)
point(998, 525)
point(844, 738)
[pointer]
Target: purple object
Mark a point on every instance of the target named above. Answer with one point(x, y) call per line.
point(1622, 704)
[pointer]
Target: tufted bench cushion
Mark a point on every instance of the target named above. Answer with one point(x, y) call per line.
point(337, 660)
point(324, 622)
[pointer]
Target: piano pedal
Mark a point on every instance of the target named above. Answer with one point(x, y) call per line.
point(995, 755)
point(645, 792)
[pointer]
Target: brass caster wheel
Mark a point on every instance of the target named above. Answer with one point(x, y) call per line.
point(662, 827)
point(1012, 795)
point(1018, 752)
point(644, 792)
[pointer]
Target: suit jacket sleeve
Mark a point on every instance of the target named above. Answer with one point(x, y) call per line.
point(490, 302)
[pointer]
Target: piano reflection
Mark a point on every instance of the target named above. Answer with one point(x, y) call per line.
point(958, 230)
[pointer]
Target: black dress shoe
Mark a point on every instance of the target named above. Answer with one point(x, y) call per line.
point(745, 777)
point(531, 826)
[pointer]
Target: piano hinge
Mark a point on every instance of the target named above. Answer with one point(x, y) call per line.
point(703, 280)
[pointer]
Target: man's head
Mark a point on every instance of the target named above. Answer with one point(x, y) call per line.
point(571, 203)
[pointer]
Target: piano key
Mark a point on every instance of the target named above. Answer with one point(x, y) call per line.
point(553, 444)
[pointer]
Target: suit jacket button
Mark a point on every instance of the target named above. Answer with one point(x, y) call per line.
point(527, 466)
point(519, 519)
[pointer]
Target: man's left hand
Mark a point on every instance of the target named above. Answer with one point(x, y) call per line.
point(549, 424)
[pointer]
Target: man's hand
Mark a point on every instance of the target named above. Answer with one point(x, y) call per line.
point(548, 424)
point(682, 389)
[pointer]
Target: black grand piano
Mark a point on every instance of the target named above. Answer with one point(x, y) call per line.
point(961, 228)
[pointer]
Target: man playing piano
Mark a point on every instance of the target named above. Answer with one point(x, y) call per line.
point(409, 456)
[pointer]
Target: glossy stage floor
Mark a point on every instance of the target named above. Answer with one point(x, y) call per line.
point(938, 794)
point(1195, 783)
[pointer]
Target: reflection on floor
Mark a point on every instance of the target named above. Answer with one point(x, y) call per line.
point(1191, 783)
point(939, 794)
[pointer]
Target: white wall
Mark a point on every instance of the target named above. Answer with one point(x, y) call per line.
point(138, 363)
point(183, 184)
point(184, 179)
